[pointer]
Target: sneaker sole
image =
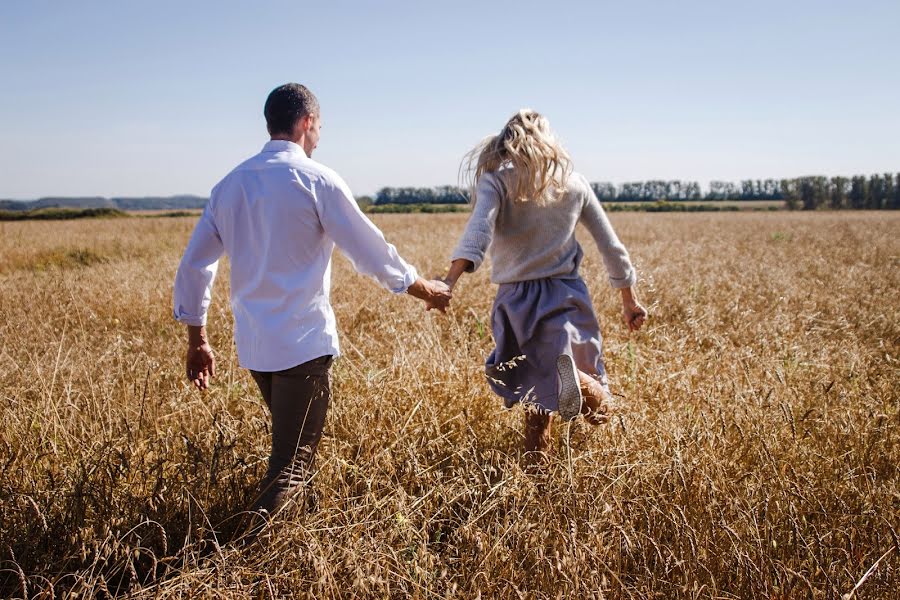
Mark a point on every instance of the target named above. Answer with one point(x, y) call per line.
point(570, 392)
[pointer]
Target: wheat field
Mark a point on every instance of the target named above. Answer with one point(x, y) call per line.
point(757, 456)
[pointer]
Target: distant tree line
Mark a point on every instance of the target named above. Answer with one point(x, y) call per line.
point(648, 191)
point(875, 192)
point(807, 193)
point(445, 194)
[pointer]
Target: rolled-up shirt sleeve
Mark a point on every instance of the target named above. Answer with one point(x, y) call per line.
point(479, 231)
point(197, 271)
point(615, 257)
point(360, 240)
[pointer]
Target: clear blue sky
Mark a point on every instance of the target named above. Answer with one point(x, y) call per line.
point(158, 98)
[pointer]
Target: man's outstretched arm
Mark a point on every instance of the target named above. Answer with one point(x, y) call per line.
point(364, 244)
point(192, 295)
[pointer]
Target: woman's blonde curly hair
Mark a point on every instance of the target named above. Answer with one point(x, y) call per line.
point(526, 145)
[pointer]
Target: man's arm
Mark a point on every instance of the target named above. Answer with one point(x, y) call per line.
point(364, 244)
point(192, 295)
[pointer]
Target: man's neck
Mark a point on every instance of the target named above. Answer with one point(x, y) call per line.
point(285, 138)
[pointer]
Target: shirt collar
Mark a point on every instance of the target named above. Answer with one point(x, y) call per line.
point(282, 146)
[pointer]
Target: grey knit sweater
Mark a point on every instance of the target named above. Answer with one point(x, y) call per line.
point(528, 241)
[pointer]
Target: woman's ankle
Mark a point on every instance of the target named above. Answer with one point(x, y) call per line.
point(537, 433)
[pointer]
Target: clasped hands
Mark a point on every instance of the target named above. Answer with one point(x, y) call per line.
point(438, 292)
point(435, 293)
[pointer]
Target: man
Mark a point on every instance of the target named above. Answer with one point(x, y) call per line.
point(278, 216)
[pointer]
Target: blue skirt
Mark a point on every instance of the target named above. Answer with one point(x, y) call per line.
point(533, 322)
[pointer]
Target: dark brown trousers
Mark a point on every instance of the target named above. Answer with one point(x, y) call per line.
point(298, 400)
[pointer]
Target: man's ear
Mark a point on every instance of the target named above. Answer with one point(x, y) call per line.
point(301, 126)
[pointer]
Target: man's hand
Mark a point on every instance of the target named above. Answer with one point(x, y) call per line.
point(200, 362)
point(632, 311)
point(435, 293)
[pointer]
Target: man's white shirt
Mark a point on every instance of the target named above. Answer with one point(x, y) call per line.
point(278, 216)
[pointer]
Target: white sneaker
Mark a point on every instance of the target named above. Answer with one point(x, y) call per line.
point(568, 387)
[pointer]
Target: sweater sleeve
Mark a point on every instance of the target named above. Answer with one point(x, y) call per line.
point(479, 230)
point(615, 256)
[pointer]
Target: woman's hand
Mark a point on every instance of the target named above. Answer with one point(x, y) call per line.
point(632, 311)
point(634, 315)
point(457, 268)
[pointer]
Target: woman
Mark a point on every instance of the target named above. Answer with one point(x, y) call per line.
point(527, 203)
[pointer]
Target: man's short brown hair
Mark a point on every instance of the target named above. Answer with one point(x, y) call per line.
point(286, 105)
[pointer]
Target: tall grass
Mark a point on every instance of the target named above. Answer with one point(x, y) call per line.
point(757, 457)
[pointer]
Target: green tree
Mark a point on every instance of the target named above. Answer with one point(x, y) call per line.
point(895, 203)
point(385, 195)
point(789, 190)
point(693, 191)
point(808, 197)
point(889, 191)
point(875, 197)
point(838, 198)
point(630, 192)
point(858, 192)
point(820, 190)
point(605, 191)
point(747, 189)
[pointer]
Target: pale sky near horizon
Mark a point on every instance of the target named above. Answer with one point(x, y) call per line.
point(160, 98)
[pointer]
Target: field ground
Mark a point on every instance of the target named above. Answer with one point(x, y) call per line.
point(758, 457)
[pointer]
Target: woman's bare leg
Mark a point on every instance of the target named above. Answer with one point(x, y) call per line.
point(537, 436)
point(598, 405)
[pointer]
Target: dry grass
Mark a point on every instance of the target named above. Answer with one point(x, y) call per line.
point(758, 457)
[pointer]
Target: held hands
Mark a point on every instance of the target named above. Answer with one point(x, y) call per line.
point(440, 296)
point(442, 288)
point(435, 293)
